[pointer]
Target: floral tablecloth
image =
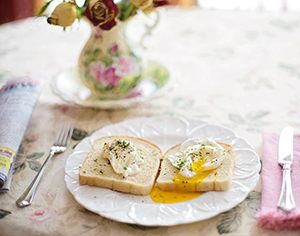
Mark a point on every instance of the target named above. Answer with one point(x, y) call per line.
point(237, 69)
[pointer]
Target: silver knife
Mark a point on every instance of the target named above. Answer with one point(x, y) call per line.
point(285, 159)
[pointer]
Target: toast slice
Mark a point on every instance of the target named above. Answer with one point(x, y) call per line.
point(97, 170)
point(219, 179)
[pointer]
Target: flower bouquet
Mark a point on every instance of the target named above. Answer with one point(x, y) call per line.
point(109, 65)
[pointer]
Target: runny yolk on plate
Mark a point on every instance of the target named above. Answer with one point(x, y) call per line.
point(160, 196)
point(196, 160)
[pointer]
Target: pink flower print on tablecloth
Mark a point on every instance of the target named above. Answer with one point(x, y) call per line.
point(42, 214)
point(50, 197)
point(125, 65)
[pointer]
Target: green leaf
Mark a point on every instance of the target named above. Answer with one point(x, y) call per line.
point(158, 73)
point(252, 204)
point(87, 227)
point(129, 11)
point(80, 12)
point(87, 52)
point(19, 168)
point(126, 9)
point(257, 114)
point(236, 118)
point(34, 165)
point(253, 196)
point(79, 134)
point(35, 155)
point(107, 60)
point(44, 8)
point(230, 221)
point(97, 52)
point(4, 213)
point(87, 212)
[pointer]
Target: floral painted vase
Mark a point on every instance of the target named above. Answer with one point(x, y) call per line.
point(108, 65)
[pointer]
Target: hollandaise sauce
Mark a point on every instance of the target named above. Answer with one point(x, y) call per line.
point(160, 196)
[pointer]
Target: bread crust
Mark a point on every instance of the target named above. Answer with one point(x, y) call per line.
point(101, 174)
point(210, 183)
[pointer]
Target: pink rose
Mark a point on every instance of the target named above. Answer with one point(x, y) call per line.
point(125, 65)
point(114, 49)
point(110, 78)
point(105, 75)
point(42, 214)
point(96, 70)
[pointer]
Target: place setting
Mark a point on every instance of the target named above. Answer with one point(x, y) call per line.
point(280, 188)
point(130, 208)
point(153, 117)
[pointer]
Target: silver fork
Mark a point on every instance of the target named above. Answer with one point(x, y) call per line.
point(60, 145)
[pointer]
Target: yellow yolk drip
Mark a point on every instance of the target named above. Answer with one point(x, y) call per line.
point(195, 162)
point(186, 186)
point(160, 196)
point(189, 184)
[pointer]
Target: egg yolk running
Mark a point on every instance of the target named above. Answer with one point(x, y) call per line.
point(196, 160)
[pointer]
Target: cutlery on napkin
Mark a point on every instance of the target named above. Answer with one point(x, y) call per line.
point(270, 215)
point(285, 160)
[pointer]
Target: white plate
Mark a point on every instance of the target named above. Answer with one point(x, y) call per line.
point(68, 86)
point(165, 132)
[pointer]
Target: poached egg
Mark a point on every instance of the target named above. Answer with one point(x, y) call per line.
point(123, 157)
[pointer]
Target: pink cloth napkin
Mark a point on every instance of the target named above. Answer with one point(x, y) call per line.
point(270, 216)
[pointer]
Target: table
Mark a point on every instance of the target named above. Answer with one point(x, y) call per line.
point(237, 69)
